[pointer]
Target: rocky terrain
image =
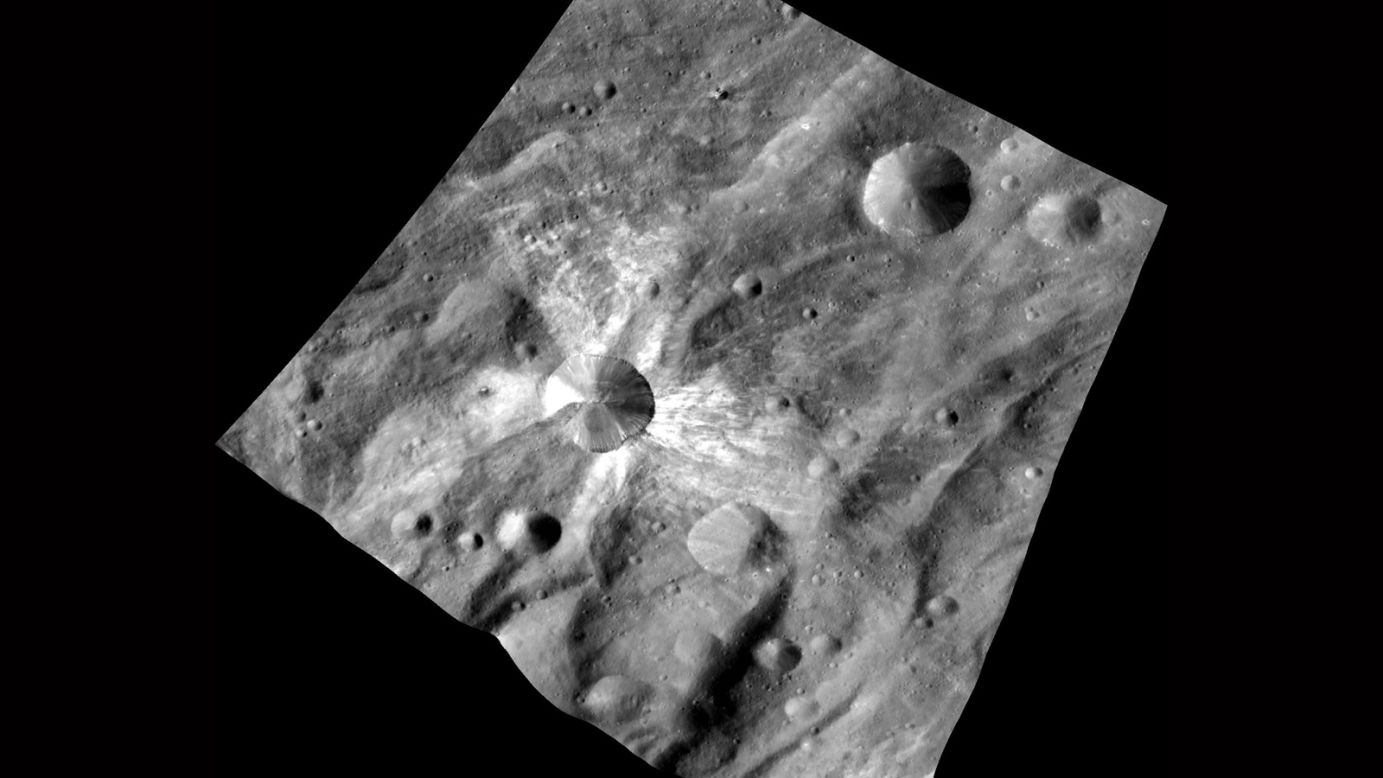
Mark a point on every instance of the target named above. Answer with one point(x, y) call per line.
point(722, 379)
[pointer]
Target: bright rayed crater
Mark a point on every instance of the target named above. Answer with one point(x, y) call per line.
point(722, 378)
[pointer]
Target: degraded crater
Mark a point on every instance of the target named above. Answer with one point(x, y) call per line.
point(696, 647)
point(615, 698)
point(733, 539)
point(918, 191)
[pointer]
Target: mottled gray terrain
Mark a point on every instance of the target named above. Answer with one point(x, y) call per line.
point(868, 313)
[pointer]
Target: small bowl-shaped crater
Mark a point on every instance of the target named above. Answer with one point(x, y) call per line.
point(748, 286)
point(422, 526)
point(412, 525)
point(544, 531)
point(532, 532)
point(777, 655)
point(1083, 219)
point(918, 191)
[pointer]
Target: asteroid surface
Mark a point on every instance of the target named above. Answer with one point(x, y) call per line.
point(722, 378)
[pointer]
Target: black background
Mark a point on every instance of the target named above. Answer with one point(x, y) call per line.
point(312, 135)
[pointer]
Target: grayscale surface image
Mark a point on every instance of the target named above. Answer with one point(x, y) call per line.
point(722, 378)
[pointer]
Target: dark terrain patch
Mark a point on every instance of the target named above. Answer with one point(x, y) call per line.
point(493, 146)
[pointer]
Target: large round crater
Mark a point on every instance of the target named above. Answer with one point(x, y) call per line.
point(616, 402)
point(917, 191)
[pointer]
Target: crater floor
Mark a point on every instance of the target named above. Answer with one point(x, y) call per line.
point(867, 314)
